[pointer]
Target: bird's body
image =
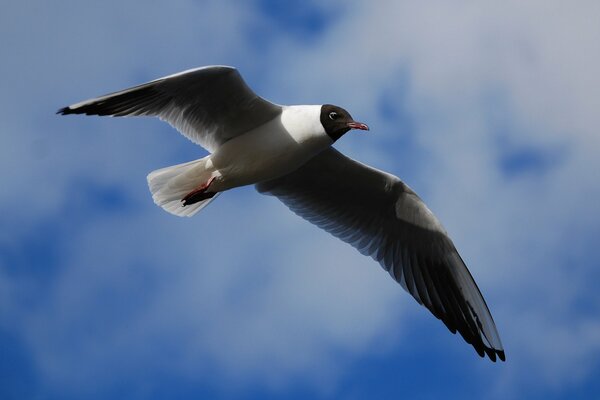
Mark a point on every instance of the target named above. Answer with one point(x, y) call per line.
point(271, 150)
point(286, 151)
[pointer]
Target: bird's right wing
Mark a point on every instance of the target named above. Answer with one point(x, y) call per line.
point(383, 218)
point(209, 105)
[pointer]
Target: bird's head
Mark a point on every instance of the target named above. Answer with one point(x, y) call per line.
point(336, 121)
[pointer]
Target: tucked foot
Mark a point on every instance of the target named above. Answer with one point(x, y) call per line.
point(198, 194)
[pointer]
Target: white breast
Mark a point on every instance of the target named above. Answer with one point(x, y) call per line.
point(303, 123)
point(274, 149)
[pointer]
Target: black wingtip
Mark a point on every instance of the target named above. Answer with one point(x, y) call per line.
point(501, 355)
point(65, 111)
point(493, 354)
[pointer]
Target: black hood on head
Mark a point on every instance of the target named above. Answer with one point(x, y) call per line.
point(335, 121)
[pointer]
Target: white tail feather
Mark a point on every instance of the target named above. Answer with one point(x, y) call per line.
point(169, 185)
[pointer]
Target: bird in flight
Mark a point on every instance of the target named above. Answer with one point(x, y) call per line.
point(285, 151)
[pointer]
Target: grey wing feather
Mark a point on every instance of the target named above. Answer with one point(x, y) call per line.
point(383, 218)
point(209, 105)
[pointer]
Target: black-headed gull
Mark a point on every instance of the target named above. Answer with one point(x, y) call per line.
point(286, 151)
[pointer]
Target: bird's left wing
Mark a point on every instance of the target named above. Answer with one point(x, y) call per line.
point(209, 105)
point(383, 218)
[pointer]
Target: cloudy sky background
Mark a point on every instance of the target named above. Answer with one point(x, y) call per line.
point(489, 111)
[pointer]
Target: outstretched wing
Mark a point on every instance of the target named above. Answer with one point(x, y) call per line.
point(383, 218)
point(209, 105)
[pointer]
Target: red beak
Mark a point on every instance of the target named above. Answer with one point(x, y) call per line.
point(358, 125)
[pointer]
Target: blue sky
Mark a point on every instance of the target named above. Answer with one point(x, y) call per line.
point(489, 111)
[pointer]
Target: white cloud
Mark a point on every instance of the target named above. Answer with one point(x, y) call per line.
point(197, 303)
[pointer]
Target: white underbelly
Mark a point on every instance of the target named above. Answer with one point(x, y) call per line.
point(265, 153)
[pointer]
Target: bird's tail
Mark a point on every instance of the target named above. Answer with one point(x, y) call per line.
point(171, 184)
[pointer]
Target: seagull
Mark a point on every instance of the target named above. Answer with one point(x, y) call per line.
point(286, 152)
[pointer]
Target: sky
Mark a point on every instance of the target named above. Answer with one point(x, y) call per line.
point(488, 110)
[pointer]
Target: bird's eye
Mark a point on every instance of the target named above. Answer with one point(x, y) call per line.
point(333, 115)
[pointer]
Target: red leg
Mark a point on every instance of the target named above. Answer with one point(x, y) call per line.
point(198, 194)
